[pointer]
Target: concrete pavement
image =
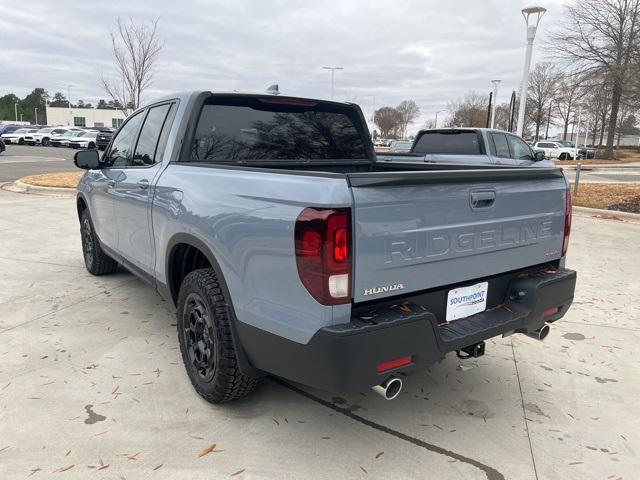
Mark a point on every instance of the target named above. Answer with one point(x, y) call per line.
point(92, 384)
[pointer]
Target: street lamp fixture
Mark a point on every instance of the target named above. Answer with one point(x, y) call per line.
point(532, 17)
point(333, 71)
point(435, 123)
point(495, 100)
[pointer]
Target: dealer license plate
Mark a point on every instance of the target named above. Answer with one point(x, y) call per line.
point(465, 301)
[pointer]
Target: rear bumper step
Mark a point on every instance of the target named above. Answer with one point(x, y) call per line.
point(344, 357)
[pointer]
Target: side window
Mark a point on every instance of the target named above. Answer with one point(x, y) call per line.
point(502, 147)
point(122, 146)
point(145, 153)
point(520, 149)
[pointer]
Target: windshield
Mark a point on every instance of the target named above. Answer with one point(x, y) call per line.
point(44, 130)
point(21, 130)
point(71, 133)
point(262, 129)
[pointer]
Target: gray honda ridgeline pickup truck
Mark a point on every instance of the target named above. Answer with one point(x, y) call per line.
point(288, 249)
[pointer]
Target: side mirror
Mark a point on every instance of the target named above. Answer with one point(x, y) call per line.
point(87, 159)
point(538, 156)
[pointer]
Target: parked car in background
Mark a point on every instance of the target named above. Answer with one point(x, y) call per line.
point(63, 140)
point(468, 146)
point(103, 138)
point(400, 146)
point(9, 128)
point(44, 135)
point(84, 140)
point(17, 136)
point(583, 152)
point(555, 149)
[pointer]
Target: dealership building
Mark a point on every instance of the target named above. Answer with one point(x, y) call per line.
point(84, 117)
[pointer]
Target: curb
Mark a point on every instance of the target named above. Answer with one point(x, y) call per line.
point(28, 188)
point(616, 213)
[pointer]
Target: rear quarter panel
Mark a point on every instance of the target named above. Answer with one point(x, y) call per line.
point(247, 219)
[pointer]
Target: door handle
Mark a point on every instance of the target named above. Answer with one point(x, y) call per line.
point(143, 184)
point(483, 199)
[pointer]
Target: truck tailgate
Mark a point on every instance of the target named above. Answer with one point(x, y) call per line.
point(419, 230)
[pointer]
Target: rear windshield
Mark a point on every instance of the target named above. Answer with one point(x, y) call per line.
point(465, 143)
point(258, 129)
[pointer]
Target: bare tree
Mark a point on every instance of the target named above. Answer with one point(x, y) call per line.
point(543, 83)
point(603, 39)
point(568, 94)
point(429, 124)
point(408, 111)
point(389, 121)
point(469, 111)
point(135, 50)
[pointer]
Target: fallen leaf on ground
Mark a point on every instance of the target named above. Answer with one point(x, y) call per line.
point(63, 469)
point(575, 463)
point(207, 450)
point(379, 454)
point(158, 467)
point(35, 470)
point(237, 473)
point(364, 470)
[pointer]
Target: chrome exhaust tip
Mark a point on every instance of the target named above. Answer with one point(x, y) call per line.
point(389, 389)
point(539, 334)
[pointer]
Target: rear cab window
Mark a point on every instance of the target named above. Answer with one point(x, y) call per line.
point(501, 145)
point(449, 142)
point(253, 130)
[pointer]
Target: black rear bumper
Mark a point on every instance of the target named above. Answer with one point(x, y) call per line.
point(345, 357)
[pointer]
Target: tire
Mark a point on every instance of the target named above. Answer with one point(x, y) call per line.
point(45, 142)
point(21, 141)
point(92, 146)
point(96, 261)
point(207, 345)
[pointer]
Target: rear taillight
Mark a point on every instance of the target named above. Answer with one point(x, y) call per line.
point(323, 253)
point(567, 222)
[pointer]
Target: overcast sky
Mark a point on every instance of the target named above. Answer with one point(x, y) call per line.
point(431, 51)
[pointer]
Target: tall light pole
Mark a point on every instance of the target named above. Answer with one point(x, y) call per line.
point(35, 110)
point(537, 13)
point(495, 100)
point(333, 71)
point(15, 107)
point(435, 124)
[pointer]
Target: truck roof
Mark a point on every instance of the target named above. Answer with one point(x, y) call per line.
point(186, 95)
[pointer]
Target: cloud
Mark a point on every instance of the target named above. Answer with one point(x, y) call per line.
point(429, 51)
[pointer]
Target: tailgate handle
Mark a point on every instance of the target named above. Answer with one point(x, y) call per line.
point(482, 199)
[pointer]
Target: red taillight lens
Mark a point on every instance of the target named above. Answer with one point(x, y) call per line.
point(567, 222)
point(323, 253)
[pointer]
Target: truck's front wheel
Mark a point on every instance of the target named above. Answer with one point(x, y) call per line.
point(96, 261)
point(206, 342)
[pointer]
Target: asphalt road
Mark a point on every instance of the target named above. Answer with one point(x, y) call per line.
point(21, 160)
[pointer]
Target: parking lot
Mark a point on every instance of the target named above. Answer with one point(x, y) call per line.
point(92, 384)
point(21, 160)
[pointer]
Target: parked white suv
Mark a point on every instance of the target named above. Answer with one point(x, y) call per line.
point(17, 136)
point(555, 150)
point(44, 135)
